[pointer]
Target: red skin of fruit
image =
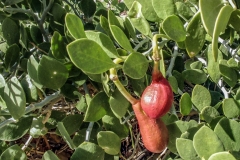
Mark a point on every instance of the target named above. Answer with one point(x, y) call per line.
point(157, 98)
point(153, 131)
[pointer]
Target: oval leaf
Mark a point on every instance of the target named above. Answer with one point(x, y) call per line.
point(109, 141)
point(52, 73)
point(88, 150)
point(201, 97)
point(164, 8)
point(185, 104)
point(206, 143)
point(84, 53)
point(97, 107)
point(222, 156)
point(185, 148)
point(135, 65)
point(12, 56)
point(173, 27)
point(13, 152)
point(14, 98)
point(57, 46)
point(49, 155)
point(230, 108)
point(75, 26)
point(10, 34)
point(195, 76)
point(209, 113)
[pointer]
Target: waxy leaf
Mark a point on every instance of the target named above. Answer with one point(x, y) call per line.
point(89, 56)
point(97, 108)
point(195, 76)
point(201, 97)
point(38, 128)
point(220, 26)
point(196, 36)
point(13, 152)
point(30, 89)
point(109, 141)
point(222, 156)
point(209, 10)
point(164, 8)
point(14, 98)
point(75, 26)
point(10, 34)
point(136, 65)
point(112, 123)
point(137, 19)
point(65, 135)
point(212, 143)
point(228, 132)
point(173, 83)
point(234, 19)
point(49, 155)
point(88, 7)
point(185, 104)
point(52, 73)
point(88, 150)
point(118, 103)
point(173, 28)
point(36, 34)
point(213, 66)
point(121, 38)
point(12, 56)
point(230, 108)
point(15, 131)
point(104, 41)
point(32, 68)
point(57, 46)
point(112, 20)
point(185, 148)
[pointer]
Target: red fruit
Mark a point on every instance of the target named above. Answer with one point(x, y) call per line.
point(157, 98)
point(153, 131)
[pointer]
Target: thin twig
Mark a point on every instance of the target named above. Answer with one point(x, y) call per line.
point(27, 143)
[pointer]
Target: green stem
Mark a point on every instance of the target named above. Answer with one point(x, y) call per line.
point(156, 56)
point(121, 88)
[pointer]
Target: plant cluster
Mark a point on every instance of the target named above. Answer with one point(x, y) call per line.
point(74, 68)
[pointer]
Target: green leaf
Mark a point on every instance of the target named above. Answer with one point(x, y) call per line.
point(14, 152)
point(209, 113)
point(24, 36)
point(213, 68)
point(164, 8)
point(58, 12)
point(118, 103)
point(109, 141)
point(72, 123)
point(11, 2)
point(65, 135)
point(196, 36)
point(88, 7)
point(38, 129)
point(185, 104)
point(220, 26)
point(234, 19)
point(195, 76)
point(36, 34)
point(57, 46)
point(56, 116)
point(14, 98)
point(130, 28)
point(222, 156)
point(104, 41)
point(75, 26)
point(32, 68)
point(10, 34)
point(121, 38)
point(201, 97)
point(230, 108)
point(229, 74)
point(135, 66)
point(209, 11)
point(206, 142)
point(12, 56)
point(184, 10)
point(84, 53)
point(137, 19)
point(49, 155)
point(52, 73)
point(196, 65)
point(174, 84)
point(173, 28)
point(228, 132)
point(112, 19)
point(111, 123)
point(30, 89)
point(97, 108)
point(185, 148)
point(88, 150)
point(15, 131)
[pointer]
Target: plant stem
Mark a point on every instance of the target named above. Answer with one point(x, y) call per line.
point(121, 88)
point(88, 131)
point(174, 56)
point(8, 121)
point(27, 143)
